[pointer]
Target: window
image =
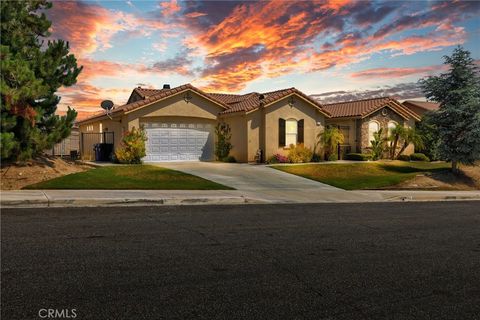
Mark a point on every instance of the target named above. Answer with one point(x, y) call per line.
point(373, 126)
point(345, 130)
point(391, 125)
point(291, 131)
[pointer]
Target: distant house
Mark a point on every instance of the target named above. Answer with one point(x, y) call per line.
point(180, 122)
point(359, 120)
point(420, 107)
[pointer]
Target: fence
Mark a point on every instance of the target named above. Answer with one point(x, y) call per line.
point(89, 139)
point(63, 148)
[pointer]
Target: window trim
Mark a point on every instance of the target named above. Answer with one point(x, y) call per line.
point(388, 126)
point(378, 128)
point(291, 120)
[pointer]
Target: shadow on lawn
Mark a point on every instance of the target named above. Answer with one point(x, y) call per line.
point(409, 169)
point(440, 174)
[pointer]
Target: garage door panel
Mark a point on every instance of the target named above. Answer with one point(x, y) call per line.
point(179, 142)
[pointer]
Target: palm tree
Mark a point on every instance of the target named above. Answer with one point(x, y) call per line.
point(378, 144)
point(395, 134)
point(410, 135)
point(330, 138)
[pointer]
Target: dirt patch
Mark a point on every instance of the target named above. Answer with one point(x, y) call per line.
point(15, 176)
point(468, 179)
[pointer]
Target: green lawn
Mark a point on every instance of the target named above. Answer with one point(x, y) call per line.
point(130, 177)
point(354, 176)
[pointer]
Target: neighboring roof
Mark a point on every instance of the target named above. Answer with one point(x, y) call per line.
point(429, 106)
point(363, 108)
point(230, 102)
point(143, 92)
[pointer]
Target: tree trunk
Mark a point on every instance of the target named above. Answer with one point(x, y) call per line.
point(454, 166)
point(394, 148)
point(405, 145)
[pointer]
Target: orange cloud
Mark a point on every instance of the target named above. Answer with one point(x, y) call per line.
point(89, 27)
point(395, 72)
point(269, 39)
point(169, 7)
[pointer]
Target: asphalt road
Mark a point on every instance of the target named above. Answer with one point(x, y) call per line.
point(322, 261)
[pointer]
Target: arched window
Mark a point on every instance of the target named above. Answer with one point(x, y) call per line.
point(391, 125)
point(373, 126)
point(291, 131)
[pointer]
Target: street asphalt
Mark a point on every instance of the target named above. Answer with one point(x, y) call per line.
point(290, 261)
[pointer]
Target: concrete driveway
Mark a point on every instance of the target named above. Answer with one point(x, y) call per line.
point(262, 182)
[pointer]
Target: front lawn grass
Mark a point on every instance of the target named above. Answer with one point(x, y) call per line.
point(130, 177)
point(353, 176)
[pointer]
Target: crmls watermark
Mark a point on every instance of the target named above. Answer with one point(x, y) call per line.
point(57, 313)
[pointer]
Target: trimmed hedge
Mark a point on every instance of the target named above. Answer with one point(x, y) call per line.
point(230, 159)
point(419, 157)
point(358, 156)
point(404, 157)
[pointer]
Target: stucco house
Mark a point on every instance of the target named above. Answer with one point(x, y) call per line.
point(359, 120)
point(180, 122)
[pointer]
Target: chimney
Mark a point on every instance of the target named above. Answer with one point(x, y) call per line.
point(166, 86)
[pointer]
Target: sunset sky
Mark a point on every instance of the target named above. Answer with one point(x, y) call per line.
point(339, 49)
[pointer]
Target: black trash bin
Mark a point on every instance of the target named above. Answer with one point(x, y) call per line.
point(103, 151)
point(107, 151)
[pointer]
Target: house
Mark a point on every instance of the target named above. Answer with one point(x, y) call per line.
point(359, 120)
point(421, 107)
point(180, 122)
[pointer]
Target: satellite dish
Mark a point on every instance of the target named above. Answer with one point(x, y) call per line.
point(106, 105)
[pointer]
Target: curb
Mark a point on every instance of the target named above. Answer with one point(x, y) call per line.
point(105, 202)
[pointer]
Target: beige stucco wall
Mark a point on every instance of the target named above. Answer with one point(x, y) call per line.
point(345, 123)
point(175, 106)
point(314, 123)
point(254, 133)
point(238, 126)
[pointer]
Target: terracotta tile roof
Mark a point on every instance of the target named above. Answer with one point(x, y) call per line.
point(254, 100)
point(230, 102)
point(362, 108)
point(143, 92)
point(430, 106)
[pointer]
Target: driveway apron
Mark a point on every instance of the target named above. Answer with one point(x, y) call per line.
point(260, 181)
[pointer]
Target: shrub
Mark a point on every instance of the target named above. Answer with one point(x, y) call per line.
point(223, 145)
point(132, 149)
point(230, 159)
point(332, 157)
point(378, 144)
point(299, 153)
point(277, 158)
point(419, 157)
point(316, 157)
point(403, 157)
point(358, 156)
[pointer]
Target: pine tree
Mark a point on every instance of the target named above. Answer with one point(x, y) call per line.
point(458, 118)
point(32, 70)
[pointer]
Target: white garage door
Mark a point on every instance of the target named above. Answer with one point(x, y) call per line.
point(169, 141)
